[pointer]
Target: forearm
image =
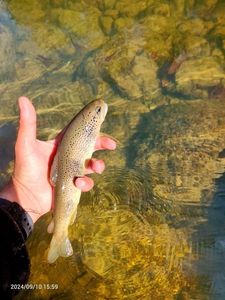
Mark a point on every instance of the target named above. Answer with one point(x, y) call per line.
point(14, 260)
point(15, 227)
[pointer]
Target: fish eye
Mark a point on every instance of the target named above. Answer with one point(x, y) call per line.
point(98, 109)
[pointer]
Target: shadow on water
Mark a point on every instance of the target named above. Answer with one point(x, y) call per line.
point(140, 134)
point(208, 244)
point(201, 215)
point(7, 142)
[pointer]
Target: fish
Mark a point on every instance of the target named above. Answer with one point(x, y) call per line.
point(75, 148)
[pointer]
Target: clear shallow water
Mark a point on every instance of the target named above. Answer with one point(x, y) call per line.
point(153, 227)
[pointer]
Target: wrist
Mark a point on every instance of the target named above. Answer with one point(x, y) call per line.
point(13, 192)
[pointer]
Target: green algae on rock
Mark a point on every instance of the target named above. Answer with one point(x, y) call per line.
point(194, 26)
point(196, 75)
point(130, 8)
point(196, 46)
point(133, 77)
point(106, 4)
point(82, 21)
point(78, 19)
point(113, 13)
point(106, 23)
point(126, 69)
point(23, 10)
point(123, 23)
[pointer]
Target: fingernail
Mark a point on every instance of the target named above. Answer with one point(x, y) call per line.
point(112, 145)
point(99, 166)
point(23, 107)
point(80, 182)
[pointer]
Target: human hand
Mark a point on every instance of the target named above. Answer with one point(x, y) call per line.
point(29, 185)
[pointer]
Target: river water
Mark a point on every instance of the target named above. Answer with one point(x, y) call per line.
point(153, 227)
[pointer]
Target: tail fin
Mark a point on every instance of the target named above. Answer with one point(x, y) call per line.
point(58, 248)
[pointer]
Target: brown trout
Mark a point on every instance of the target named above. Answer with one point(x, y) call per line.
point(76, 146)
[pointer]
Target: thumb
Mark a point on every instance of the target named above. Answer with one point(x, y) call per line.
point(27, 123)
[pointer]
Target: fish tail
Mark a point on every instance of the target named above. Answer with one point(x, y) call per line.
point(58, 248)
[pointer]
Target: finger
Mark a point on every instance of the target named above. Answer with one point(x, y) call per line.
point(104, 142)
point(27, 122)
point(94, 166)
point(84, 183)
point(53, 142)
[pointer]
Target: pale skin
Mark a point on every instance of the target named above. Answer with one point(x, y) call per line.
point(29, 185)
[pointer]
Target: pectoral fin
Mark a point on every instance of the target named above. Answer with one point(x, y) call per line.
point(50, 228)
point(54, 171)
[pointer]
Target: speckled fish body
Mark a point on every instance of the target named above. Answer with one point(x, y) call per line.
point(76, 146)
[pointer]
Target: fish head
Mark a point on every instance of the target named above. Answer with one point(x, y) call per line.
point(96, 109)
point(94, 114)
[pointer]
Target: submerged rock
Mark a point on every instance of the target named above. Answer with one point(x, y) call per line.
point(196, 46)
point(23, 11)
point(196, 75)
point(7, 44)
point(124, 66)
point(113, 13)
point(108, 4)
point(123, 23)
point(161, 35)
point(193, 26)
point(130, 8)
point(181, 144)
point(7, 54)
point(64, 18)
point(106, 23)
point(81, 21)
